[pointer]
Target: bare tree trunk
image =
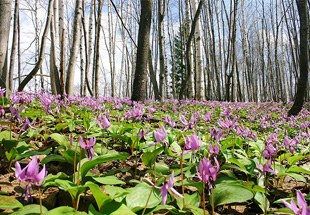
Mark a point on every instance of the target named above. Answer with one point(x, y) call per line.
point(161, 43)
point(14, 45)
point(139, 86)
point(42, 49)
point(74, 48)
point(303, 58)
point(5, 19)
point(97, 45)
point(188, 46)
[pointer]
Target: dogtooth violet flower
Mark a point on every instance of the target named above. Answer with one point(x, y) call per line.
point(207, 172)
point(15, 113)
point(31, 175)
point(266, 168)
point(160, 134)
point(88, 146)
point(27, 124)
point(106, 122)
point(191, 143)
point(302, 208)
point(168, 185)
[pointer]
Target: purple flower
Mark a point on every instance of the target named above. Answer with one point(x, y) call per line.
point(168, 185)
point(142, 133)
point(2, 91)
point(2, 112)
point(88, 146)
point(106, 122)
point(27, 124)
point(15, 113)
point(266, 168)
point(160, 134)
point(270, 150)
point(207, 172)
point(302, 204)
point(192, 143)
point(31, 175)
point(187, 124)
point(216, 149)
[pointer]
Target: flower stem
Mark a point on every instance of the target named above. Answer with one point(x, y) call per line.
point(265, 179)
point(182, 178)
point(155, 164)
point(78, 179)
point(148, 199)
point(74, 162)
point(212, 199)
point(203, 198)
point(40, 200)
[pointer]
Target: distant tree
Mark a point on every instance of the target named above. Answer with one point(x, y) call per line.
point(5, 19)
point(303, 58)
point(179, 56)
point(139, 84)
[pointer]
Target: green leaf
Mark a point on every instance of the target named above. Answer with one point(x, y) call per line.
point(61, 139)
point(30, 209)
point(196, 210)
point(86, 164)
point(31, 153)
point(64, 210)
point(298, 169)
point(259, 198)
point(162, 168)
point(116, 193)
point(190, 200)
point(148, 157)
point(50, 179)
point(9, 144)
point(253, 187)
point(292, 160)
point(106, 204)
point(72, 188)
point(12, 154)
point(110, 180)
point(230, 193)
point(60, 126)
point(137, 198)
point(297, 176)
point(53, 157)
point(8, 202)
point(6, 135)
point(284, 156)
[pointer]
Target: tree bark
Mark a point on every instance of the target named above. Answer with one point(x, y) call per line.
point(74, 48)
point(139, 85)
point(303, 58)
point(5, 19)
point(188, 46)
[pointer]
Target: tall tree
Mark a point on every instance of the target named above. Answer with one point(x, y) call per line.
point(186, 81)
point(5, 19)
point(14, 44)
point(303, 57)
point(139, 84)
point(74, 48)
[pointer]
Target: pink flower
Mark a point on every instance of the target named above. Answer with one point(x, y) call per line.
point(88, 146)
point(192, 143)
point(207, 172)
point(31, 175)
point(266, 168)
point(106, 122)
point(168, 185)
point(302, 204)
point(160, 134)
